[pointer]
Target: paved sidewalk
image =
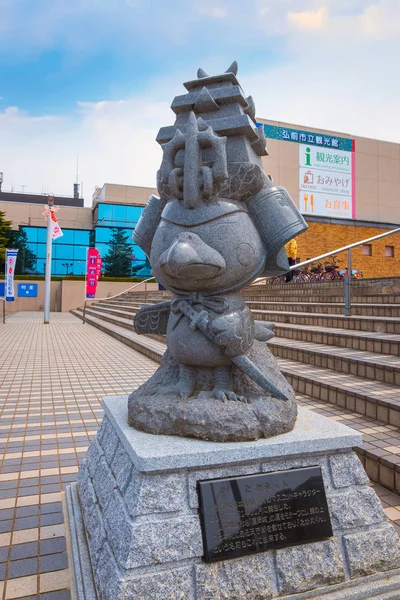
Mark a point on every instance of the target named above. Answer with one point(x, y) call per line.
point(52, 379)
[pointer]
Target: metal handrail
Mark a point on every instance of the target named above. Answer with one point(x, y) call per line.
point(349, 247)
point(145, 281)
point(4, 309)
point(347, 278)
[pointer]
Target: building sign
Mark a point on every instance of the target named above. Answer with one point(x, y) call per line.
point(307, 137)
point(326, 172)
point(28, 290)
point(326, 182)
point(11, 259)
point(93, 271)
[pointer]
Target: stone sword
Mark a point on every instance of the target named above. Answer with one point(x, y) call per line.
point(200, 320)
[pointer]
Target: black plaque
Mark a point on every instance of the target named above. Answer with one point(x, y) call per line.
point(254, 513)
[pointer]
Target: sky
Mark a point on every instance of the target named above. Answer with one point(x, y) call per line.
point(96, 78)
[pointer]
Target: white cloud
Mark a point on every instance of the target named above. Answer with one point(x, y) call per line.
point(381, 20)
point(211, 9)
point(309, 20)
point(369, 19)
point(115, 142)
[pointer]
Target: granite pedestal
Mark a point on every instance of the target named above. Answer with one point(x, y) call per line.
point(136, 530)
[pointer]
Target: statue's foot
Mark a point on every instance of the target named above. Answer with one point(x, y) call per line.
point(183, 389)
point(224, 395)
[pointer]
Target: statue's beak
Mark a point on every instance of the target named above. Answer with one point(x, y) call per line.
point(190, 257)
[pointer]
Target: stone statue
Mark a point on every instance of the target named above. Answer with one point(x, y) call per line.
point(218, 224)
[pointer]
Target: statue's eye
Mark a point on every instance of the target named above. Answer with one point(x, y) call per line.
point(245, 254)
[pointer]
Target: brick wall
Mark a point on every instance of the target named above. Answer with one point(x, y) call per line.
point(323, 237)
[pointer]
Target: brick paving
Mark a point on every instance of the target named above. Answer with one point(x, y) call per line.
point(52, 379)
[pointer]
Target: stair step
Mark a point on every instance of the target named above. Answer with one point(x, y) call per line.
point(356, 322)
point(381, 343)
point(334, 308)
point(323, 298)
point(384, 368)
point(143, 344)
point(127, 308)
point(113, 317)
point(378, 422)
point(364, 396)
point(379, 451)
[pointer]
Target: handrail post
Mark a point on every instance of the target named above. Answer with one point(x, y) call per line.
point(4, 311)
point(347, 286)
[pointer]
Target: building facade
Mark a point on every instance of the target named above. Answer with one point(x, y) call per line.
point(114, 207)
point(347, 187)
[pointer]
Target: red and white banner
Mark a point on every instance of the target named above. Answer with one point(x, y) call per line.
point(11, 259)
point(93, 271)
point(55, 228)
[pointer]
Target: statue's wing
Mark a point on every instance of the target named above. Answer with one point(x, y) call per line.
point(152, 319)
point(263, 330)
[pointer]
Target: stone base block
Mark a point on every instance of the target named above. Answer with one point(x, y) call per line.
point(135, 524)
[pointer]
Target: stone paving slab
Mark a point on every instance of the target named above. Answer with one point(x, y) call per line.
point(52, 379)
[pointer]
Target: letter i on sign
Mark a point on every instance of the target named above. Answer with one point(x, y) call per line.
point(308, 157)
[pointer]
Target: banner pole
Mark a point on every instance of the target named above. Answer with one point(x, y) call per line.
point(86, 270)
point(84, 292)
point(47, 282)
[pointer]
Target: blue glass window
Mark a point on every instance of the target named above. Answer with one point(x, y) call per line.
point(119, 215)
point(133, 215)
point(69, 249)
point(105, 214)
point(80, 252)
point(41, 234)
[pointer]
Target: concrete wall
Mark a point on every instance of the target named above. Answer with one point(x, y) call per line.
point(123, 194)
point(66, 295)
point(32, 214)
point(35, 304)
point(377, 171)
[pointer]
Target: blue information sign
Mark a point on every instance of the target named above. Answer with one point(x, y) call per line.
point(307, 137)
point(28, 289)
point(1, 289)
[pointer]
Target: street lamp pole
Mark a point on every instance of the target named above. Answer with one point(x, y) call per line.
point(67, 266)
point(47, 280)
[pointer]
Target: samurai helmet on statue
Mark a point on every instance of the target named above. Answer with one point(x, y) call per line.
point(212, 167)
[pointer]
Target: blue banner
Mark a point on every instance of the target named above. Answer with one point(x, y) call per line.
point(11, 259)
point(307, 137)
point(2, 285)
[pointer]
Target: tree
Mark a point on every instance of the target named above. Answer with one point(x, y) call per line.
point(118, 260)
point(5, 230)
point(26, 259)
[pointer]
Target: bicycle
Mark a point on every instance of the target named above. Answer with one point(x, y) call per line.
point(277, 279)
point(331, 270)
point(316, 273)
point(301, 276)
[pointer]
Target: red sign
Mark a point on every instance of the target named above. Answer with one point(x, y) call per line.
point(93, 272)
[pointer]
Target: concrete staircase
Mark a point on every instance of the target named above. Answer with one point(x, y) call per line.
point(345, 367)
